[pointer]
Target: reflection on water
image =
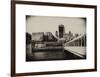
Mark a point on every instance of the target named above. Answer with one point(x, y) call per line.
point(39, 55)
point(52, 54)
point(49, 55)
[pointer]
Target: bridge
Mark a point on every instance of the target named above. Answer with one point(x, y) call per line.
point(77, 46)
point(71, 50)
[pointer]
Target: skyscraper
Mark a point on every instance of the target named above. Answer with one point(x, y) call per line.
point(61, 30)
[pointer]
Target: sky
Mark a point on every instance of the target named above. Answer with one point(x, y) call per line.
point(50, 24)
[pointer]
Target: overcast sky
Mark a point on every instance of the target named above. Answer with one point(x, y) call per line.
point(50, 24)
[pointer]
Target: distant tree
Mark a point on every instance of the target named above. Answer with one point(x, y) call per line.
point(28, 38)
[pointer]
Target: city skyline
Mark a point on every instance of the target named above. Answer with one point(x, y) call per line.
point(55, 38)
point(50, 24)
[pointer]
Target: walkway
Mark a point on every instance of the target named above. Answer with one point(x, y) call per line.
point(79, 51)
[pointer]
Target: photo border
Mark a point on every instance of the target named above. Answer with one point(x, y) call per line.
point(13, 37)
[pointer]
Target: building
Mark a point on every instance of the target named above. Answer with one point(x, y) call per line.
point(68, 36)
point(61, 30)
point(37, 39)
point(38, 36)
point(41, 39)
point(49, 37)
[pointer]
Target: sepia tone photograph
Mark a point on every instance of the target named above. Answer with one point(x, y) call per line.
point(55, 38)
point(52, 38)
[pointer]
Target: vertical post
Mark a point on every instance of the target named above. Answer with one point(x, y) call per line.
point(13, 39)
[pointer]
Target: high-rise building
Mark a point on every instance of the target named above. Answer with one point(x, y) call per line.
point(61, 30)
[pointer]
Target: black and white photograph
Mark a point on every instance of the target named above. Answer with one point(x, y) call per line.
point(55, 38)
point(52, 38)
